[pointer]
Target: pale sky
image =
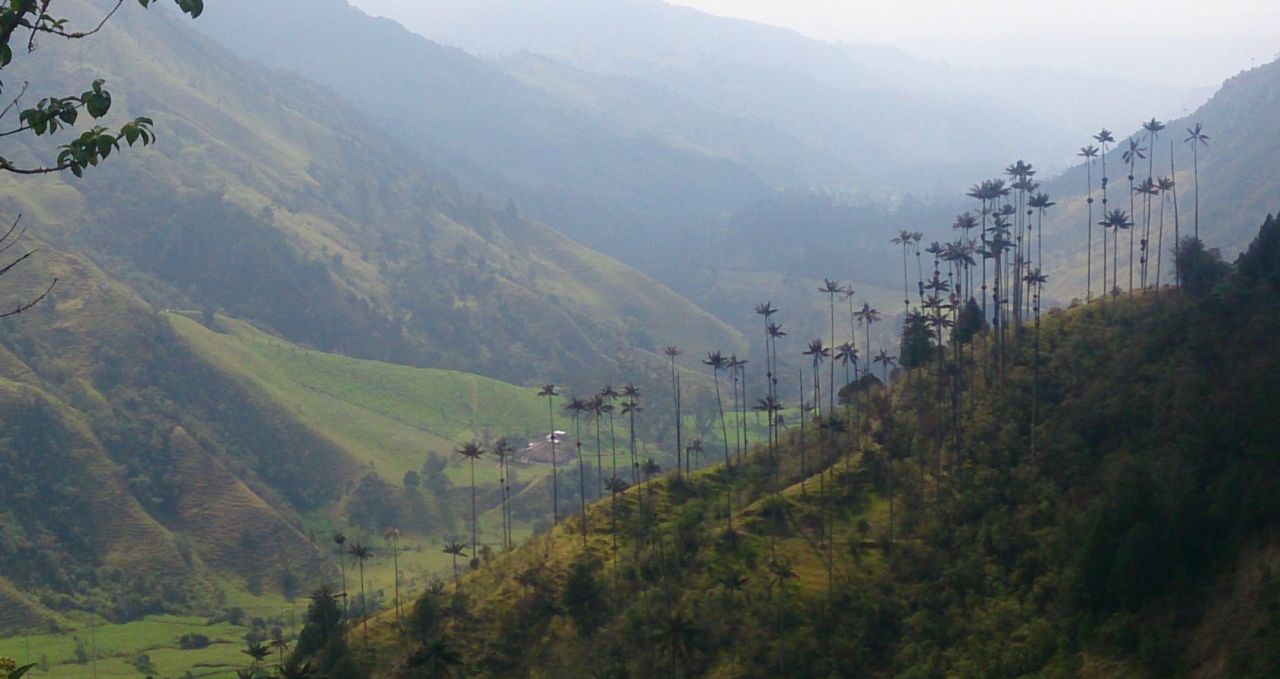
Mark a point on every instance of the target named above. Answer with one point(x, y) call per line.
point(1203, 41)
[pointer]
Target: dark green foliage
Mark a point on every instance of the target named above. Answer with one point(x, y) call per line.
point(582, 596)
point(970, 322)
point(1201, 268)
point(322, 638)
point(1260, 264)
point(372, 504)
point(917, 347)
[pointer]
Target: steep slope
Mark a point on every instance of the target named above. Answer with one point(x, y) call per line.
point(948, 536)
point(272, 200)
point(118, 442)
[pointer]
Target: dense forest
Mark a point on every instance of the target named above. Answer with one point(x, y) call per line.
point(1103, 503)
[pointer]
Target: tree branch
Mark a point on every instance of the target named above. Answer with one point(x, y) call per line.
point(27, 306)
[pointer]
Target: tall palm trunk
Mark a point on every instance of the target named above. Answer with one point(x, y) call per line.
point(1160, 242)
point(599, 458)
point(1177, 231)
point(555, 482)
point(804, 490)
point(1088, 295)
point(1195, 159)
point(582, 475)
point(724, 426)
point(473, 517)
point(364, 605)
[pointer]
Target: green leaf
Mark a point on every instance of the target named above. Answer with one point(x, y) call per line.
point(98, 103)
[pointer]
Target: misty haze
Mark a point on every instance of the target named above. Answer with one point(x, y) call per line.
point(637, 338)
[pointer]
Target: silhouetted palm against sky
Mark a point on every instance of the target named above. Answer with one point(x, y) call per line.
point(1196, 138)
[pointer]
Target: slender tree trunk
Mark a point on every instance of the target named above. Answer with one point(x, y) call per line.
point(1195, 158)
point(364, 605)
point(1177, 231)
point(555, 484)
point(582, 477)
point(1088, 295)
point(395, 568)
point(1132, 213)
point(473, 518)
point(1160, 245)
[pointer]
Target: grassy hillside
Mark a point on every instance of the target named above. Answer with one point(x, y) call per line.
point(381, 414)
point(1126, 530)
point(117, 443)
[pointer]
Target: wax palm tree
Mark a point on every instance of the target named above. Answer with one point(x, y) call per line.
point(695, 449)
point(472, 451)
point(1147, 189)
point(817, 353)
point(1040, 203)
point(868, 316)
point(672, 353)
point(435, 660)
point(280, 643)
point(503, 451)
point(998, 244)
point(677, 637)
point(1105, 139)
point(596, 410)
point(1153, 128)
point(340, 540)
point(257, 652)
point(766, 310)
point(1196, 137)
point(630, 407)
point(1117, 220)
point(716, 361)
point(455, 549)
point(1131, 156)
point(1090, 154)
point(1177, 226)
point(609, 395)
point(549, 392)
point(360, 554)
point(905, 239)
point(392, 536)
point(1164, 186)
point(577, 407)
point(966, 222)
point(846, 354)
point(830, 288)
point(737, 368)
point(979, 192)
point(886, 361)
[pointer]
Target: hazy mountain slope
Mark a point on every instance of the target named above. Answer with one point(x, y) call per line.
point(269, 198)
point(991, 112)
point(584, 174)
point(1237, 182)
